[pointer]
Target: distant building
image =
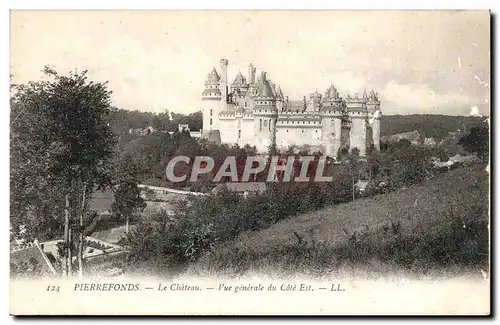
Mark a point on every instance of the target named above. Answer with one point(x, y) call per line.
point(244, 189)
point(184, 128)
point(195, 134)
point(142, 132)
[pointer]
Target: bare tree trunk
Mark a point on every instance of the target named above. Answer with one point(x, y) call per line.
point(353, 187)
point(127, 225)
point(80, 243)
point(66, 236)
point(70, 254)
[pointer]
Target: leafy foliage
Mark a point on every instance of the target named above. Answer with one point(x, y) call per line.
point(60, 140)
point(477, 141)
point(128, 201)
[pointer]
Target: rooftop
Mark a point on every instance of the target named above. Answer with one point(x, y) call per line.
point(240, 187)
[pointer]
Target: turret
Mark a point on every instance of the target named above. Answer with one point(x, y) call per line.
point(251, 74)
point(211, 97)
point(331, 112)
point(356, 110)
point(265, 114)
point(374, 115)
point(314, 102)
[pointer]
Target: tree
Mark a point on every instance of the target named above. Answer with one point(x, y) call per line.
point(128, 200)
point(353, 161)
point(477, 141)
point(61, 145)
point(374, 162)
point(410, 165)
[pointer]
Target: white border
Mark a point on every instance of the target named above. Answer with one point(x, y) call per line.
point(187, 4)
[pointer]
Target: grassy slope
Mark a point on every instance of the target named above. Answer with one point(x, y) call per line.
point(460, 193)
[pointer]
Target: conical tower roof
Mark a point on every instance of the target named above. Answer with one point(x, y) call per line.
point(265, 89)
point(239, 80)
point(332, 92)
point(213, 76)
point(279, 93)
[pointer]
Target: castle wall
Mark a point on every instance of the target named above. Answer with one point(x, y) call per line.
point(237, 129)
point(358, 135)
point(228, 131)
point(299, 134)
point(247, 131)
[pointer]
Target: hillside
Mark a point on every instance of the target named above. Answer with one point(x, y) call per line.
point(123, 120)
point(440, 223)
point(429, 126)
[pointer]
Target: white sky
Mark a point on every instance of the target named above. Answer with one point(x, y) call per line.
point(419, 62)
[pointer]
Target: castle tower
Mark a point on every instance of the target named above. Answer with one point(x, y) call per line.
point(265, 116)
point(374, 115)
point(331, 122)
point(251, 74)
point(223, 84)
point(356, 110)
point(211, 97)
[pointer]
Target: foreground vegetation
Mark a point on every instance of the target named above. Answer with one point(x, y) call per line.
point(442, 223)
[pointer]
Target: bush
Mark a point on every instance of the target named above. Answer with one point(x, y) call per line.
point(203, 222)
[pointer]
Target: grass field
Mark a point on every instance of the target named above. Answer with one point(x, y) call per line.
point(439, 224)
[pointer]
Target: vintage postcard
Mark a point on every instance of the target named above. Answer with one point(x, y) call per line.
point(250, 163)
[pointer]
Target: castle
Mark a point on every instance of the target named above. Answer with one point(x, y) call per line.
point(255, 112)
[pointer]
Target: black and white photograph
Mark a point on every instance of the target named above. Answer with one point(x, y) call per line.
point(250, 162)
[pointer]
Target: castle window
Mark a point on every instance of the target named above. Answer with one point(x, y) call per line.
point(245, 104)
point(260, 124)
point(239, 134)
point(210, 121)
point(302, 131)
point(287, 130)
point(210, 112)
point(269, 125)
point(316, 131)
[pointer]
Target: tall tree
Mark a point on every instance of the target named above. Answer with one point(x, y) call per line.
point(128, 201)
point(61, 125)
point(353, 162)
